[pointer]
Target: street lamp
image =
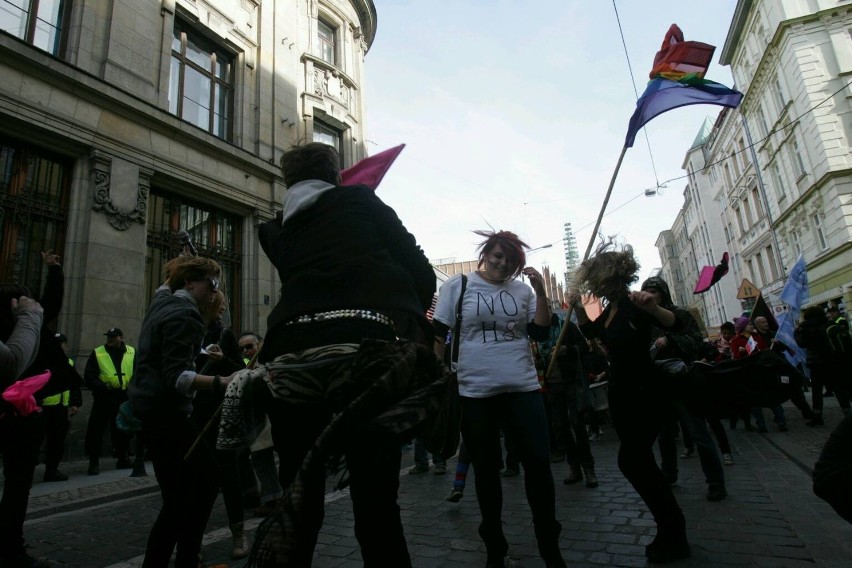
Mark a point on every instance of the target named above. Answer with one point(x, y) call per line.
point(536, 249)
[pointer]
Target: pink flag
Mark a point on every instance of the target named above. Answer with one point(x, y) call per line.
point(710, 275)
point(20, 393)
point(370, 171)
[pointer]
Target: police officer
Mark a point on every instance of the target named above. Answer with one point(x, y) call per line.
point(108, 372)
point(57, 409)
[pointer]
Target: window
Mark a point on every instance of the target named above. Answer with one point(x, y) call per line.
point(325, 42)
point(796, 242)
point(820, 232)
point(762, 124)
point(758, 208)
point(201, 87)
point(740, 222)
point(770, 258)
point(328, 135)
point(38, 22)
point(798, 163)
point(777, 180)
point(742, 152)
point(215, 234)
point(750, 266)
point(34, 205)
point(748, 216)
point(758, 259)
point(779, 94)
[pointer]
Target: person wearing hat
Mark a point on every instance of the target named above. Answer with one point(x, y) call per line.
point(108, 372)
point(57, 409)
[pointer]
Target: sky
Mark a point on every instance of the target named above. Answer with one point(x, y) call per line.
point(514, 116)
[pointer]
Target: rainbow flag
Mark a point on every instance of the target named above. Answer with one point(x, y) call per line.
point(677, 79)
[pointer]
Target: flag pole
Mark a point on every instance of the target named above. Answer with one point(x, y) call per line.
point(559, 341)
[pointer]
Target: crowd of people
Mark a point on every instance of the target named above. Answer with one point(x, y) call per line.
point(351, 369)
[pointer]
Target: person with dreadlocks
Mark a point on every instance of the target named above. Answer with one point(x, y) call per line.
point(499, 385)
point(351, 275)
point(637, 400)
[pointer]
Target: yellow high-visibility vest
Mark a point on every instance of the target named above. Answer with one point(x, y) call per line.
point(59, 398)
point(109, 376)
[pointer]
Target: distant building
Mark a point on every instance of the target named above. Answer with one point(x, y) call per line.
point(778, 170)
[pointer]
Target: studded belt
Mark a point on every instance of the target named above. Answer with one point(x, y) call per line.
point(368, 315)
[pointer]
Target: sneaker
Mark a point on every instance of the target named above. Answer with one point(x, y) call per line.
point(727, 459)
point(687, 453)
point(783, 427)
point(439, 469)
point(511, 472)
point(418, 468)
point(54, 475)
point(456, 495)
point(716, 492)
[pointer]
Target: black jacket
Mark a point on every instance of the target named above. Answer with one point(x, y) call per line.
point(348, 250)
point(170, 339)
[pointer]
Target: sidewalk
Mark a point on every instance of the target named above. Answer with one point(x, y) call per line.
point(771, 517)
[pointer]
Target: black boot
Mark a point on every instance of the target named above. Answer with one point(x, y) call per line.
point(670, 544)
point(495, 544)
point(547, 537)
point(575, 474)
point(591, 478)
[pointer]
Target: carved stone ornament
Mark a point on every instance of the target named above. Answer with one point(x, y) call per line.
point(119, 219)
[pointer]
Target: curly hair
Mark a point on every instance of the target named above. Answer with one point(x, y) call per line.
point(188, 268)
point(608, 273)
point(513, 247)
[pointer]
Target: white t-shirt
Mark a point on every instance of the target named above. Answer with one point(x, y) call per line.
point(494, 348)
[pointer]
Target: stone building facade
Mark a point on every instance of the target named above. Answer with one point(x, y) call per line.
point(124, 122)
point(779, 168)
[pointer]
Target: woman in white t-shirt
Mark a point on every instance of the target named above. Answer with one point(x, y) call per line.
point(499, 386)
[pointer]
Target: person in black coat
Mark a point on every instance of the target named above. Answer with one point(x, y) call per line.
point(826, 368)
point(349, 271)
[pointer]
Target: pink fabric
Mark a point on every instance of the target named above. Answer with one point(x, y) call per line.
point(710, 275)
point(20, 394)
point(370, 171)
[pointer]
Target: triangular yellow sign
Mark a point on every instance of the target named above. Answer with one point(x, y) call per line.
point(747, 290)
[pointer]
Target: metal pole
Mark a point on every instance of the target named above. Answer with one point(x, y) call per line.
point(762, 190)
point(586, 257)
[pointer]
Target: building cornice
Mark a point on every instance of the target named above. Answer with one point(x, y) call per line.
point(366, 11)
point(738, 23)
point(815, 187)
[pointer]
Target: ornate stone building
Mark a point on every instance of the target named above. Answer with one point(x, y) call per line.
point(779, 167)
point(124, 122)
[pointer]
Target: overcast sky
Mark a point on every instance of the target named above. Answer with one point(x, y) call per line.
point(514, 115)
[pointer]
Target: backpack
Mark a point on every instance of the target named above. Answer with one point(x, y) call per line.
point(839, 340)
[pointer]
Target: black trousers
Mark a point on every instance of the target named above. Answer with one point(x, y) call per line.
point(639, 416)
point(20, 439)
point(188, 488)
point(104, 411)
point(569, 427)
point(56, 425)
point(374, 460)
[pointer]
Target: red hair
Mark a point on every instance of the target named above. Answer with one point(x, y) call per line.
point(513, 247)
